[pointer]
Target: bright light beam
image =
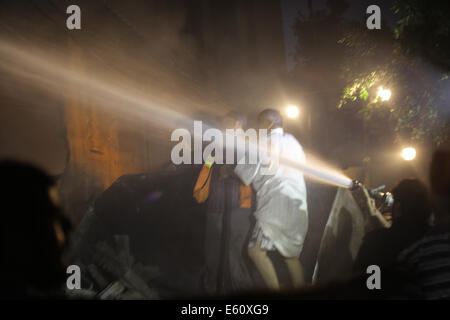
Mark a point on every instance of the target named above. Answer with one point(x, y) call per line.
point(55, 77)
point(409, 153)
point(292, 112)
point(384, 94)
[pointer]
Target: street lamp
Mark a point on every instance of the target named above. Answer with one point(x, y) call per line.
point(409, 153)
point(384, 94)
point(292, 112)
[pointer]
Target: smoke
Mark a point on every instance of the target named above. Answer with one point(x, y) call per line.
point(51, 74)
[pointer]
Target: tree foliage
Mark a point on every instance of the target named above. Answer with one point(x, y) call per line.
point(414, 70)
point(412, 61)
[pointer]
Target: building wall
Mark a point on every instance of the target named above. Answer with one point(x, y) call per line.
point(189, 57)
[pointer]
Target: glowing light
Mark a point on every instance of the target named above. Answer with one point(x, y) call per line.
point(292, 112)
point(384, 94)
point(408, 153)
point(34, 68)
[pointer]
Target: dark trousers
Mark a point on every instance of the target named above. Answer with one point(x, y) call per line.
point(226, 252)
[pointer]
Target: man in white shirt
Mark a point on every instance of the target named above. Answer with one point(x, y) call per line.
point(281, 210)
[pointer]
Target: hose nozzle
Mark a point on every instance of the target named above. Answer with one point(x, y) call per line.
point(355, 185)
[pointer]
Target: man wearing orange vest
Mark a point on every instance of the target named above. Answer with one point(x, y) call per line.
point(228, 213)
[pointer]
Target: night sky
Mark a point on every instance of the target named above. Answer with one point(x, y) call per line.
point(356, 12)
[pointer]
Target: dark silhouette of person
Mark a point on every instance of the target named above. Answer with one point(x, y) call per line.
point(410, 214)
point(33, 233)
point(427, 261)
point(380, 247)
point(228, 221)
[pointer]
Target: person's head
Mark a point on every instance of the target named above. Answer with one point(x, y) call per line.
point(411, 201)
point(33, 230)
point(270, 119)
point(234, 120)
point(440, 181)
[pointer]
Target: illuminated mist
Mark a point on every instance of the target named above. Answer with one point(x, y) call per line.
point(48, 72)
